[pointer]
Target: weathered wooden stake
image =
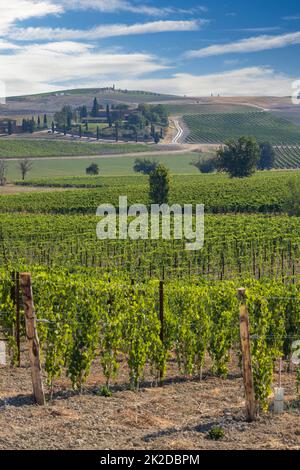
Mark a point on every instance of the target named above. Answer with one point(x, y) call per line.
point(251, 409)
point(161, 318)
point(17, 297)
point(32, 338)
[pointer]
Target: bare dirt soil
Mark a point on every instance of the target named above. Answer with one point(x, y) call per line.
point(18, 189)
point(177, 416)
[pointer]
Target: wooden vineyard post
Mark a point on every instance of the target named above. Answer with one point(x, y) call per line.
point(161, 319)
point(32, 338)
point(18, 320)
point(251, 409)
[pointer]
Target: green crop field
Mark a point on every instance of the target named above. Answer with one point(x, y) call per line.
point(219, 127)
point(264, 192)
point(287, 156)
point(100, 299)
point(53, 168)
point(235, 246)
point(204, 108)
point(10, 148)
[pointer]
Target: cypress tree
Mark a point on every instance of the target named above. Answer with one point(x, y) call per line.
point(9, 128)
point(95, 109)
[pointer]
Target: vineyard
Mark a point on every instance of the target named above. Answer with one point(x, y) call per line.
point(265, 192)
point(235, 247)
point(217, 128)
point(83, 319)
point(115, 317)
point(287, 156)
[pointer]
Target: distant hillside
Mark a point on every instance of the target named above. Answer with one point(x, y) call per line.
point(51, 102)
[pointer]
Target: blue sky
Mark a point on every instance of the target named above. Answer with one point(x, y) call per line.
point(227, 47)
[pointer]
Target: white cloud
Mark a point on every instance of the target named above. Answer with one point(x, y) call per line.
point(52, 65)
point(116, 6)
point(18, 10)
point(291, 18)
point(251, 81)
point(254, 44)
point(257, 30)
point(7, 45)
point(106, 31)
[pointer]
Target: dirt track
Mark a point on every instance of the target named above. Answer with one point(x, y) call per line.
point(177, 416)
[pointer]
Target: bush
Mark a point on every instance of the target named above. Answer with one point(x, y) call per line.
point(92, 170)
point(145, 166)
point(216, 433)
point(208, 165)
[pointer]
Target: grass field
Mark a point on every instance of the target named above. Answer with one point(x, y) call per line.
point(216, 128)
point(177, 163)
point(44, 148)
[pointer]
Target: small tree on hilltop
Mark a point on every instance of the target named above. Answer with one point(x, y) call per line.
point(25, 166)
point(239, 157)
point(159, 185)
point(267, 156)
point(92, 170)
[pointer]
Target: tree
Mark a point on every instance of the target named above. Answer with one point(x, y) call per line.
point(52, 127)
point(108, 116)
point(207, 165)
point(10, 128)
point(83, 111)
point(64, 117)
point(39, 122)
point(95, 108)
point(25, 166)
point(159, 185)
point(2, 172)
point(31, 125)
point(135, 133)
point(45, 121)
point(80, 131)
point(239, 157)
point(267, 156)
point(69, 122)
point(156, 138)
point(137, 119)
point(144, 165)
point(118, 124)
point(152, 131)
point(98, 133)
point(92, 170)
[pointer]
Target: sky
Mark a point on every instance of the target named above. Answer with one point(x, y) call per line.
point(169, 46)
